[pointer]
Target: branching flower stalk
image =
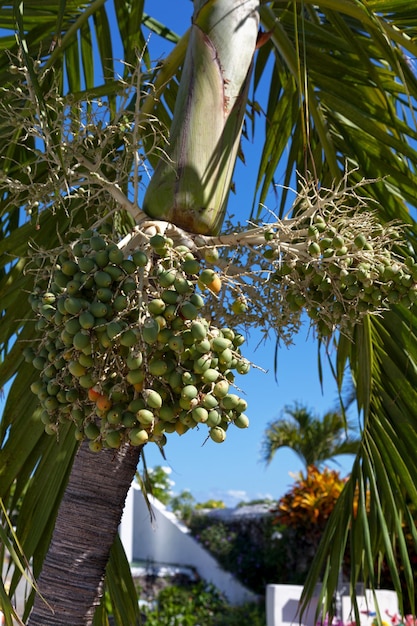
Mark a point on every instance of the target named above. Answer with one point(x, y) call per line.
point(331, 258)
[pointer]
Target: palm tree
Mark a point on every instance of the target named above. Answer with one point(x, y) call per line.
point(342, 95)
point(314, 440)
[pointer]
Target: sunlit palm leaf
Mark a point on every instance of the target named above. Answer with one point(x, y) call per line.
point(352, 75)
point(386, 381)
point(13, 550)
point(121, 588)
point(315, 440)
point(350, 64)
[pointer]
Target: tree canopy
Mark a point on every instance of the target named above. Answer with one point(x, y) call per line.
point(315, 440)
point(341, 108)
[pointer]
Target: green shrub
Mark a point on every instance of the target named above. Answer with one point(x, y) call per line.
point(251, 550)
point(218, 539)
point(200, 605)
point(251, 613)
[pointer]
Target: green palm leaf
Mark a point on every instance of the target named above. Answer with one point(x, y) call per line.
point(342, 94)
point(314, 440)
point(348, 104)
point(384, 468)
point(356, 105)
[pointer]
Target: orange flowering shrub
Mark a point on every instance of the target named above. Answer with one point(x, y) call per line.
point(301, 516)
point(311, 500)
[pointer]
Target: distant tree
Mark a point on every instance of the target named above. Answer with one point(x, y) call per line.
point(314, 439)
point(183, 505)
point(211, 504)
point(157, 482)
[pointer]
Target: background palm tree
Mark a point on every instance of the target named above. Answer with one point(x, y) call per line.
point(314, 439)
point(342, 91)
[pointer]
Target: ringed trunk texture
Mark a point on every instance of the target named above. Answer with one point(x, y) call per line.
point(71, 581)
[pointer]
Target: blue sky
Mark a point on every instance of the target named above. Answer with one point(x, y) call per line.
point(233, 471)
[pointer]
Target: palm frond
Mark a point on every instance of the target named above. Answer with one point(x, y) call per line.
point(351, 97)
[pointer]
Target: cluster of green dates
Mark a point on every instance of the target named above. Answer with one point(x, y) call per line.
point(343, 274)
point(125, 349)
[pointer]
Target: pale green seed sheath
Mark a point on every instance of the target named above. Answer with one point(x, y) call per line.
point(191, 187)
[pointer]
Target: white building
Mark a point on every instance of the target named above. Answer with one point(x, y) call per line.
point(163, 542)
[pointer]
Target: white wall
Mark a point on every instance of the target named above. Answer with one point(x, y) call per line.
point(282, 603)
point(282, 606)
point(165, 541)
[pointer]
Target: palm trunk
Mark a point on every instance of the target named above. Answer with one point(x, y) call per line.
point(70, 585)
